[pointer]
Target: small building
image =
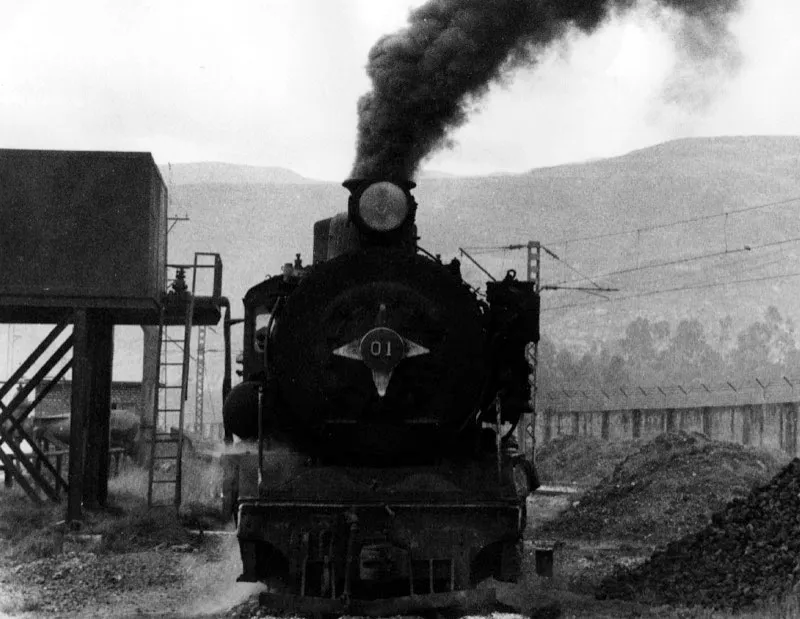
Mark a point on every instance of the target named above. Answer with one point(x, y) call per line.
point(124, 395)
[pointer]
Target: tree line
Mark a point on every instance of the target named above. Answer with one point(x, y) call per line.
point(690, 353)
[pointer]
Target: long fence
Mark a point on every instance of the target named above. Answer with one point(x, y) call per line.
point(754, 390)
point(771, 425)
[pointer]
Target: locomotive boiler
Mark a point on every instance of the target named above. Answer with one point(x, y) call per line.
point(380, 393)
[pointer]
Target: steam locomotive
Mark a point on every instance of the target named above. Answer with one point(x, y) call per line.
point(382, 393)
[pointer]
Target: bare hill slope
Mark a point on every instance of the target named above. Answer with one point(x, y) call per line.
point(257, 224)
point(214, 172)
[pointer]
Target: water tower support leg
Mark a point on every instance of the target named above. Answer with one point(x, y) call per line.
point(81, 383)
point(101, 351)
point(90, 411)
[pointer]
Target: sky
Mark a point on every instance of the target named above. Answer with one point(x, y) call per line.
point(275, 83)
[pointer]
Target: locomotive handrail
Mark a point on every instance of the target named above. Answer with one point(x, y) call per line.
point(260, 435)
point(267, 347)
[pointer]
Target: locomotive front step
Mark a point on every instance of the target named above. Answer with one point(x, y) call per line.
point(472, 599)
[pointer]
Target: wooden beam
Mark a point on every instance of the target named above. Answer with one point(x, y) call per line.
point(46, 389)
point(10, 469)
point(37, 379)
point(39, 453)
point(28, 363)
point(8, 416)
point(16, 422)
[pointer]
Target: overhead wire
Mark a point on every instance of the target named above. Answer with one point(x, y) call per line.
point(680, 289)
point(678, 261)
point(768, 261)
point(678, 222)
point(572, 268)
point(741, 252)
point(639, 268)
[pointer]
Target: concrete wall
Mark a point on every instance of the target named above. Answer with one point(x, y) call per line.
point(770, 425)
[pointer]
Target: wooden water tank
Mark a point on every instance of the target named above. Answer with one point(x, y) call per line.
point(81, 229)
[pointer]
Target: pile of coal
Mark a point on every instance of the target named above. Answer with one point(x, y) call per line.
point(750, 551)
point(664, 489)
point(581, 461)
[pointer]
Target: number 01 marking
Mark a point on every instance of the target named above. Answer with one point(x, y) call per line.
point(376, 349)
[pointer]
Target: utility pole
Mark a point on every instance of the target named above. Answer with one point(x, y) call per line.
point(199, 382)
point(527, 434)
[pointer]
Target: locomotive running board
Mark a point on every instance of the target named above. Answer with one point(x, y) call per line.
point(469, 599)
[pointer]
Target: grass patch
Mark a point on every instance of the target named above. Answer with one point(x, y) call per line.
point(131, 526)
point(19, 515)
point(141, 529)
point(29, 531)
point(201, 501)
point(17, 604)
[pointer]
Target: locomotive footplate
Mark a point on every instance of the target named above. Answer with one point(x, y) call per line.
point(378, 558)
point(462, 600)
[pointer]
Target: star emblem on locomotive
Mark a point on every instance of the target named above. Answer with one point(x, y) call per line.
point(381, 349)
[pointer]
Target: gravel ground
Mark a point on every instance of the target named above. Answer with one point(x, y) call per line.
point(185, 580)
point(606, 530)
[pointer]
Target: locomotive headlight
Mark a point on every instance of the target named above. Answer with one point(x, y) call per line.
point(383, 207)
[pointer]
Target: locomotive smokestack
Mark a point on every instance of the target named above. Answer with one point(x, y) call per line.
point(383, 211)
point(425, 76)
point(354, 184)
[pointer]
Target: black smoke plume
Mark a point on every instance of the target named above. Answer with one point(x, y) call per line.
point(425, 76)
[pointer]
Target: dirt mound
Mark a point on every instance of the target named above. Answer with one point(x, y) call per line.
point(581, 460)
point(665, 490)
point(749, 552)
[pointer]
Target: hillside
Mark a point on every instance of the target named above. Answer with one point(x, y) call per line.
point(610, 219)
point(215, 172)
point(257, 224)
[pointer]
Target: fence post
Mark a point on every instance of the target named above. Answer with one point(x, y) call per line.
point(636, 423)
point(747, 413)
point(795, 407)
point(670, 414)
point(763, 412)
point(548, 424)
point(706, 414)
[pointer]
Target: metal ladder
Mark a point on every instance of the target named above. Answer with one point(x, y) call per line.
point(166, 448)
